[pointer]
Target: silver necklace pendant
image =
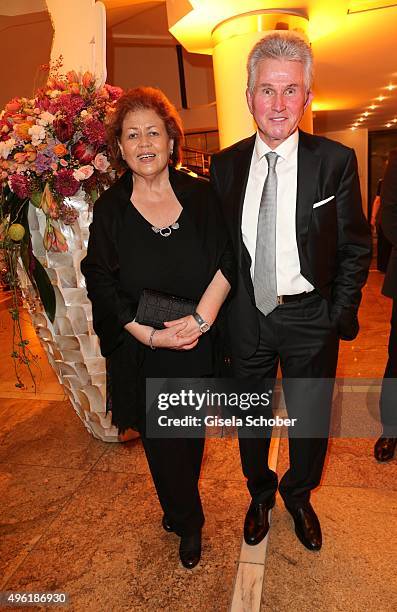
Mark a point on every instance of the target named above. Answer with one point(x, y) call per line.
point(165, 231)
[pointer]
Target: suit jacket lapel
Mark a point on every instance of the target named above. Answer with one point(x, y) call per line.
point(241, 171)
point(307, 186)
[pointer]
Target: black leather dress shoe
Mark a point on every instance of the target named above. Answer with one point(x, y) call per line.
point(167, 525)
point(385, 448)
point(307, 526)
point(190, 550)
point(256, 524)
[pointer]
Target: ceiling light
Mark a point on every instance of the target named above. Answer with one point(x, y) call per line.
point(394, 120)
point(366, 114)
point(388, 124)
point(391, 87)
point(380, 98)
point(361, 119)
point(353, 128)
point(373, 106)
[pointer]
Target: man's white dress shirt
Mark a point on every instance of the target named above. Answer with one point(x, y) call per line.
point(289, 279)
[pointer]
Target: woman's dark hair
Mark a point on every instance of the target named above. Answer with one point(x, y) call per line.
point(137, 99)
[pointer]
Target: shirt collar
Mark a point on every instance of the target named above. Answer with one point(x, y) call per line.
point(286, 149)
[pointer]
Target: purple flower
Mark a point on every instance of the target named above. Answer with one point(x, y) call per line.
point(65, 183)
point(42, 162)
point(20, 185)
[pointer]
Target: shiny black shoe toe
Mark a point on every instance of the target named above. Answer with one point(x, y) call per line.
point(307, 526)
point(190, 550)
point(256, 524)
point(167, 525)
point(384, 449)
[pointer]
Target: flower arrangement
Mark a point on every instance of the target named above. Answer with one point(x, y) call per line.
point(52, 146)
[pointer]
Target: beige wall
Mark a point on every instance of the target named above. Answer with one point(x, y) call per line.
point(26, 40)
point(154, 66)
point(25, 44)
point(131, 65)
point(357, 140)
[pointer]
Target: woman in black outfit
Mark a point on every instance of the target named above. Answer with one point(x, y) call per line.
point(157, 228)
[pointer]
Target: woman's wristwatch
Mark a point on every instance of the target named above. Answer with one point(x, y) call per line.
point(203, 325)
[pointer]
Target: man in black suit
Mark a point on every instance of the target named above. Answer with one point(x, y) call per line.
point(386, 445)
point(293, 206)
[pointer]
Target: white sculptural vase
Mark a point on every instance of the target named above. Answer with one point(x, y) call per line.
point(71, 345)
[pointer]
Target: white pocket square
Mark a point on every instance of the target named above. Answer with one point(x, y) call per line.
point(321, 202)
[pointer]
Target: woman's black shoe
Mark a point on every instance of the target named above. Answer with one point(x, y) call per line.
point(167, 525)
point(190, 550)
point(385, 448)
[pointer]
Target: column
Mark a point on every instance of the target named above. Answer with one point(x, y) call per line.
point(212, 28)
point(79, 36)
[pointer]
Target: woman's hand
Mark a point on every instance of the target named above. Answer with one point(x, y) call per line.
point(177, 335)
point(191, 326)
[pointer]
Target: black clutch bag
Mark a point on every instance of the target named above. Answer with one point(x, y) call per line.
point(155, 307)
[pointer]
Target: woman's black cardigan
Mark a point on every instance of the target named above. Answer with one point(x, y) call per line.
point(111, 307)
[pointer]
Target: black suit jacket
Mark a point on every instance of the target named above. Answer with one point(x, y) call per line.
point(333, 239)
point(389, 222)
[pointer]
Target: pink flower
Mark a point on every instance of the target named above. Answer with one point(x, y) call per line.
point(101, 162)
point(82, 173)
point(48, 203)
point(63, 163)
point(83, 152)
point(20, 185)
point(65, 183)
point(94, 131)
point(53, 239)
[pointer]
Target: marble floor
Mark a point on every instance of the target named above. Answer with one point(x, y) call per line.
point(80, 516)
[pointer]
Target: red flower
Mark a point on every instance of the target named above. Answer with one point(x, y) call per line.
point(13, 105)
point(20, 185)
point(65, 183)
point(68, 104)
point(94, 131)
point(84, 152)
point(42, 101)
point(63, 129)
point(113, 91)
point(5, 128)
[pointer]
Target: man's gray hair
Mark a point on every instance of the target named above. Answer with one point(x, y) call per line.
point(281, 45)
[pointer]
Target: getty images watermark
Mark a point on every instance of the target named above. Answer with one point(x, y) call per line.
point(205, 402)
point(211, 407)
point(188, 408)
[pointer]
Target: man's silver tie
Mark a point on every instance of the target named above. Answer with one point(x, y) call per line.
point(265, 282)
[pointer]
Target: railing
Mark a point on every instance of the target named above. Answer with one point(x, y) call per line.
point(196, 160)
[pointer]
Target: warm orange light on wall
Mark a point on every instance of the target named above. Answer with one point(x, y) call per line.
point(194, 28)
